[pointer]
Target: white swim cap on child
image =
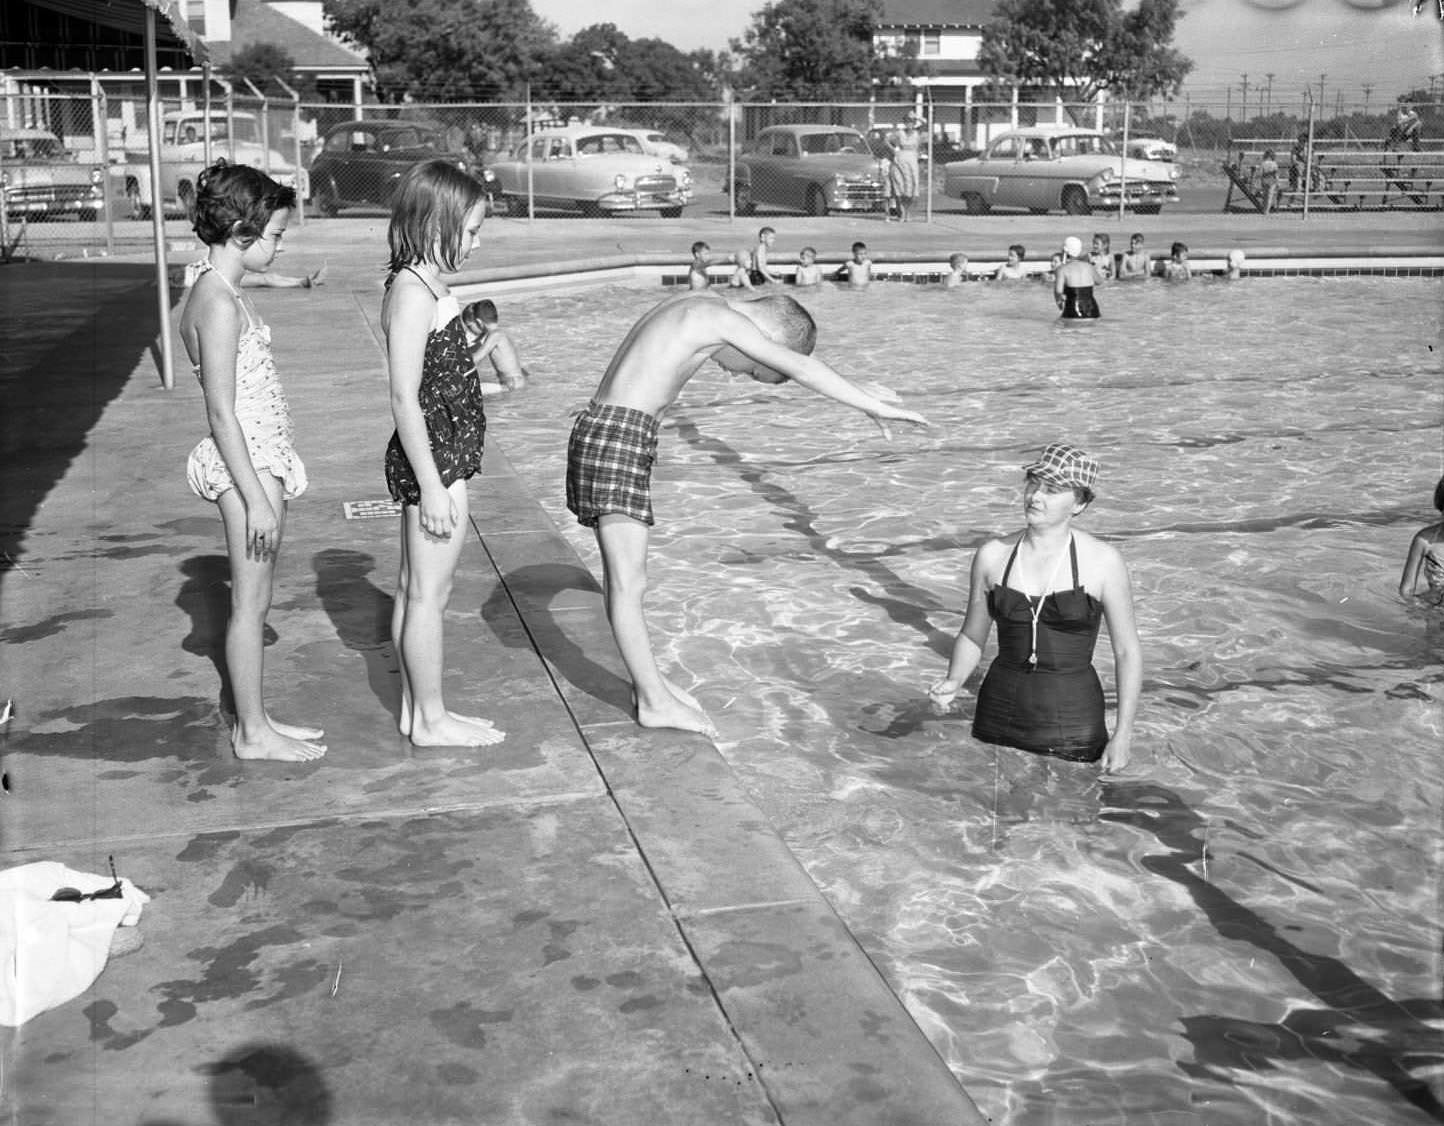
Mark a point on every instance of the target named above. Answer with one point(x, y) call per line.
point(1235, 257)
point(1072, 246)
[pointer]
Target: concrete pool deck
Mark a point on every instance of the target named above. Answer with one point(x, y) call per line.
point(591, 923)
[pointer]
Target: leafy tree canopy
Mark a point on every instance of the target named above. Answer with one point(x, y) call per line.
point(263, 64)
point(600, 64)
point(446, 50)
point(817, 51)
point(1085, 47)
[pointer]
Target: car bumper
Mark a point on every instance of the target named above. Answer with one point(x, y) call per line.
point(52, 201)
point(643, 201)
point(1146, 193)
point(857, 197)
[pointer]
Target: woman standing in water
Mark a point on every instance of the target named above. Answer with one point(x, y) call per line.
point(1049, 590)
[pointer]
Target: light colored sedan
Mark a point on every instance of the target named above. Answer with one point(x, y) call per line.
point(812, 168)
point(1047, 168)
point(594, 170)
point(39, 179)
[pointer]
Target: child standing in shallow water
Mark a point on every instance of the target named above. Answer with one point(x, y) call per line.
point(436, 401)
point(1426, 555)
point(247, 465)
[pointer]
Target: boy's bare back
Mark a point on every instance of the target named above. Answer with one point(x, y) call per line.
point(667, 345)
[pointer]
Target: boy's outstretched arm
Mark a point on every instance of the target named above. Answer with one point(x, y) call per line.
point(812, 373)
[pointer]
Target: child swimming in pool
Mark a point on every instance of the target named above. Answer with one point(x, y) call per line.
point(857, 270)
point(490, 342)
point(1176, 267)
point(957, 271)
point(1426, 556)
point(1133, 264)
point(1012, 269)
point(613, 445)
point(697, 277)
point(808, 272)
point(741, 276)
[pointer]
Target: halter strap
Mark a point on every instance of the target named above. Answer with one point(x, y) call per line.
point(1035, 609)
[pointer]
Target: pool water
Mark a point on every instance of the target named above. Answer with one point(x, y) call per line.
point(1248, 929)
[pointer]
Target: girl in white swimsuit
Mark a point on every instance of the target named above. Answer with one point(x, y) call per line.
point(246, 466)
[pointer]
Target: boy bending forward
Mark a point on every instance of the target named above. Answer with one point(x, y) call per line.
point(614, 442)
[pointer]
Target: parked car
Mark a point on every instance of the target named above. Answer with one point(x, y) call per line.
point(1151, 148)
point(40, 179)
point(237, 135)
point(1044, 168)
point(812, 168)
point(660, 144)
point(593, 169)
point(360, 162)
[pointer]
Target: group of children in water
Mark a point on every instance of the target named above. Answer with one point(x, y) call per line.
point(248, 466)
point(752, 267)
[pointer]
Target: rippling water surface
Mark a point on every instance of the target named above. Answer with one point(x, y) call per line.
point(1249, 930)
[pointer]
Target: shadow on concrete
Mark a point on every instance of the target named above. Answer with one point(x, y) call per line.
point(538, 585)
point(360, 611)
point(73, 332)
point(264, 1084)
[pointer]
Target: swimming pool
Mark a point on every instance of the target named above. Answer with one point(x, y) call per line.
point(1249, 931)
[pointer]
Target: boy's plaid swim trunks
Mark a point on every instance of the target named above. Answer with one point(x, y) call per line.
point(609, 463)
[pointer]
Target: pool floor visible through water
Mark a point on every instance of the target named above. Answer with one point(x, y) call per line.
point(1246, 929)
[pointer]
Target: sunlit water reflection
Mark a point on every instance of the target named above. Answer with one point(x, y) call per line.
point(1250, 931)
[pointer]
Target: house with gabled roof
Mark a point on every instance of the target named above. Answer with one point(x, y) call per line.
point(295, 26)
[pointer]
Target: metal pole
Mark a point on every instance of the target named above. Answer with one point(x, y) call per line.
point(530, 201)
point(265, 126)
point(932, 168)
point(1309, 162)
point(301, 191)
point(157, 211)
point(1123, 164)
point(206, 156)
point(731, 109)
point(102, 159)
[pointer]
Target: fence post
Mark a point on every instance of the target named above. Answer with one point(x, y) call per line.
point(102, 158)
point(932, 168)
point(1123, 163)
point(301, 179)
point(1309, 162)
point(729, 106)
point(265, 127)
point(530, 199)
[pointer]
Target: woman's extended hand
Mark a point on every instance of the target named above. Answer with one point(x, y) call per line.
point(1117, 755)
point(942, 693)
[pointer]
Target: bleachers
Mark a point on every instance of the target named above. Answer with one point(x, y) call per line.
point(1346, 176)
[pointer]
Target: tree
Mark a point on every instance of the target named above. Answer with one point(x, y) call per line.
point(1085, 47)
point(439, 50)
point(263, 64)
point(818, 51)
point(600, 64)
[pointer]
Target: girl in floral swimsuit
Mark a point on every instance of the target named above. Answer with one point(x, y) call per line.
point(246, 466)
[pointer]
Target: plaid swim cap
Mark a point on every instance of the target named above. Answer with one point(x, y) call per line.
point(1065, 465)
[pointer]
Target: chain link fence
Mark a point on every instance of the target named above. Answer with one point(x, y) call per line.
point(78, 180)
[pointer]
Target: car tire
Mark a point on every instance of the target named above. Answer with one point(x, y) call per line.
point(328, 203)
point(974, 204)
point(1075, 201)
point(816, 201)
point(1148, 209)
point(135, 209)
point(742, 200)
point(670, 212)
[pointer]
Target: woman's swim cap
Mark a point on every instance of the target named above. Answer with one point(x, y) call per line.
point(1072, 246)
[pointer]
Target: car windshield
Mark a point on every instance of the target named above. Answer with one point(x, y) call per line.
point(410, 139)
point(32, 148)
point(840, 141)
point(190, 131)
point(1083, 144)
point(602, 143)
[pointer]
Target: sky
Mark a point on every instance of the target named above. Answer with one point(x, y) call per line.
point(1351, 42)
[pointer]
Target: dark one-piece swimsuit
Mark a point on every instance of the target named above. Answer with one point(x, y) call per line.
point(1079, 303)
point(1056, 706)
point(451, 403)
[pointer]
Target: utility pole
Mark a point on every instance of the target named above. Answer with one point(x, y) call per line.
point(1321, 89)
point(1270, 77)
point(1368, 89)
point(1243, 99)
point(1228, 101)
